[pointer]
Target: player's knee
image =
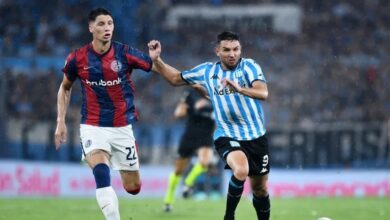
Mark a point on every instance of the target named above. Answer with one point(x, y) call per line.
point(260, 190)
point(204, 163)
point(241, 172)
point(133, 189)
point(179, 172)
point(180, 168)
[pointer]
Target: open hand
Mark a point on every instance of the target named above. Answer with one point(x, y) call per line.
point(60, 134)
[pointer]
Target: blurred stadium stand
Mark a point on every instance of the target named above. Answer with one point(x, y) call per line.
point(329, 102)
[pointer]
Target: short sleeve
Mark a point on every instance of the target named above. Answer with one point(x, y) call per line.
point(254, 71)
point(70, 67)
point(138, 60)
point(196, 74)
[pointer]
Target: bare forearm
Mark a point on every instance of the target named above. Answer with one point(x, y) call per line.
point(171, 74)
point(201, 90)
point(63, 98)
point(181, 110)
point(260, 94)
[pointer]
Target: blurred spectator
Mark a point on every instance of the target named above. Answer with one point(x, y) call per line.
point(335, 70)
point(336, 58)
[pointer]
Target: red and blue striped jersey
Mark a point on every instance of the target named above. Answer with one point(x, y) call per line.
point(106, 85)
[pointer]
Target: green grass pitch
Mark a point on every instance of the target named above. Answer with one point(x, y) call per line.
point(133, 208)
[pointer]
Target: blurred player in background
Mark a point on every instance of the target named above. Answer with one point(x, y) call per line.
point(235, 86)
point(104, 68)
point(197, 138)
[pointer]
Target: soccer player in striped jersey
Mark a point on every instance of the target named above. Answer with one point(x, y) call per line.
point(236, 86)
point(104, 69)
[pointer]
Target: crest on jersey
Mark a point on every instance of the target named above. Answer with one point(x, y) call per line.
point(116, 65)
point(238, 73)
point(88, 143)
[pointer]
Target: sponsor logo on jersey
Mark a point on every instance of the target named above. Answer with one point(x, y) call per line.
point(104, 83)
point(220, 90)
point(224, 91)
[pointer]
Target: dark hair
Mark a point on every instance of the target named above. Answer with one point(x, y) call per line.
point(227, 35)
point(96, 12)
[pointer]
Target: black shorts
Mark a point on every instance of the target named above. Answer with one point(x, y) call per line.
point(255, 150)
point(190, 142)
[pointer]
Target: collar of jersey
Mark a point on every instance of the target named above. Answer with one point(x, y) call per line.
point(237, 66)
point(100, 54)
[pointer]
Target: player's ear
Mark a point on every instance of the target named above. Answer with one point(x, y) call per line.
point(90, 27)
point(216, 50)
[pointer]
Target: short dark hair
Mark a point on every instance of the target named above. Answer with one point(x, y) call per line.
point(96, 12)
point(227, 35)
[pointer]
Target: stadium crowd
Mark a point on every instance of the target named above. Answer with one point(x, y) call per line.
point(335, 70)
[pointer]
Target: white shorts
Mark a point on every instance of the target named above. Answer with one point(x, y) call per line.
point(119, 142)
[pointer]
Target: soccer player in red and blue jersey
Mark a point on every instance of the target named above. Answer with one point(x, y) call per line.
point(104, 69)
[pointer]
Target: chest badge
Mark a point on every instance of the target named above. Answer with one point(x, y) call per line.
point(116, 65)
point(238, 73)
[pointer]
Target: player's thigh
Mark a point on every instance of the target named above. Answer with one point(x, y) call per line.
point(94, 145)
point(124, 151)
point(237, 160)
point(233, 154)
point(258, 156)
point(205, 153)
point(187, 146)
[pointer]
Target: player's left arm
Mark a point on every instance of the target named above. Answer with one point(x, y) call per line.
point(138, 59)
point(258, 90)
point(201, 90)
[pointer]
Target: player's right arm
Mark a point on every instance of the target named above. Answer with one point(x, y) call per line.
point(171, 74)
point(63, 98)
point(181, 110)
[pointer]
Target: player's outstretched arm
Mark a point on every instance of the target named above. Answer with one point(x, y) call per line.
point(171, 74)
point(63, 98)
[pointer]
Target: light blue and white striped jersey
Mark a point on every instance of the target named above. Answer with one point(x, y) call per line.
point(237, 116)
